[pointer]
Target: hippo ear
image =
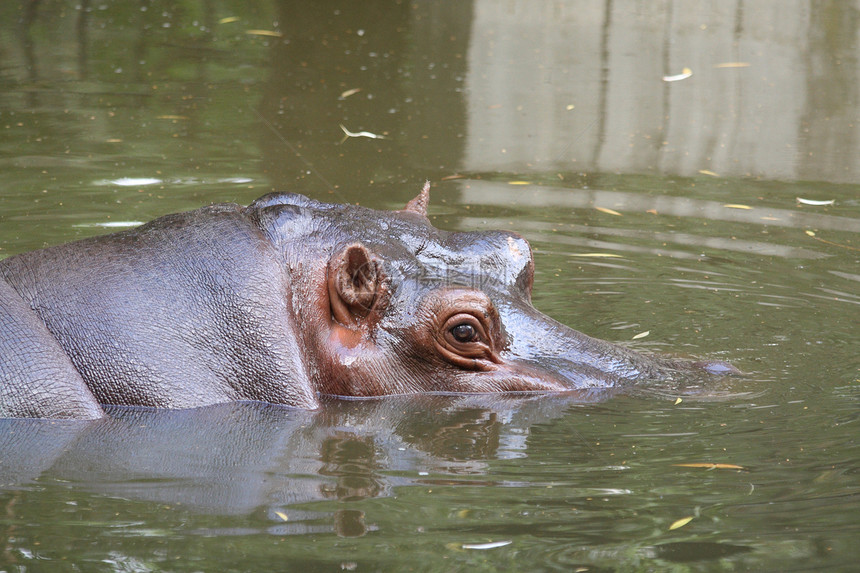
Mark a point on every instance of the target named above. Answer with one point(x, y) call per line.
point(419, 204)
point(355, 284)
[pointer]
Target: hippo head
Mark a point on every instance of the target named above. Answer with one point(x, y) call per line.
point(388, 304)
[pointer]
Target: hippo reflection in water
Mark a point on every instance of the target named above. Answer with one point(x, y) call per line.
point(284, 301)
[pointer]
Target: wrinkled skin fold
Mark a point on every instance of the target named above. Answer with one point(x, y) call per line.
point(285, 301)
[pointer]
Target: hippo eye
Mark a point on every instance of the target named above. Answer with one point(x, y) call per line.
point(468, 332)
point(464, 332)
point(465, 341)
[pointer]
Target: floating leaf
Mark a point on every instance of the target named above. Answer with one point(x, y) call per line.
point(678, 401)
point(597, 255)
point(228, 20)
point(348, 93)
point(707, 172)
point(685, 73)
point(282, 515)
point(270, 33)
point(641, 335)
point(736, 206)
point(492, 545)
point(710, 466)
point(733, 65)
point(361, 133)
point(569, 107)
point(519, 182)
point(456, 176)
point(135, 181)
point(814, 202)
point(826, 242)
point(608, 211)
point(681, 522)
point(172, 117)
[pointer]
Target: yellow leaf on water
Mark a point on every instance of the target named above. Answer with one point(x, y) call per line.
point(711, 466)
point(685, 73)
point(519, 182)
point(228, 19)
point(282, 515)
point(678, 401)
point(707, 172)
point(681, 522)
point(733, 65)
point(641, 335)
point(348, 93)
point(736, 206)
point(608, 211)
point(597, 255)
point(810, 233)
point(271, 33)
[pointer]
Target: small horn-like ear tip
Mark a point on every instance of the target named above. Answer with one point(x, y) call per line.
point(420, 202)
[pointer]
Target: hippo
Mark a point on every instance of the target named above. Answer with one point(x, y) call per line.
point(286, 301)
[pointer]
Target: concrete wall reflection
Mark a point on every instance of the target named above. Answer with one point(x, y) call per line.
point(578, 86)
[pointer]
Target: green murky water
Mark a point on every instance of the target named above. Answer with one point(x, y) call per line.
point(113, 113)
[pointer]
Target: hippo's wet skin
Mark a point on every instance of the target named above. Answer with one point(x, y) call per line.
point(284, 301)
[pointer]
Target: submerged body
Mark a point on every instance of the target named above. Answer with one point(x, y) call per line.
point(284, 301)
